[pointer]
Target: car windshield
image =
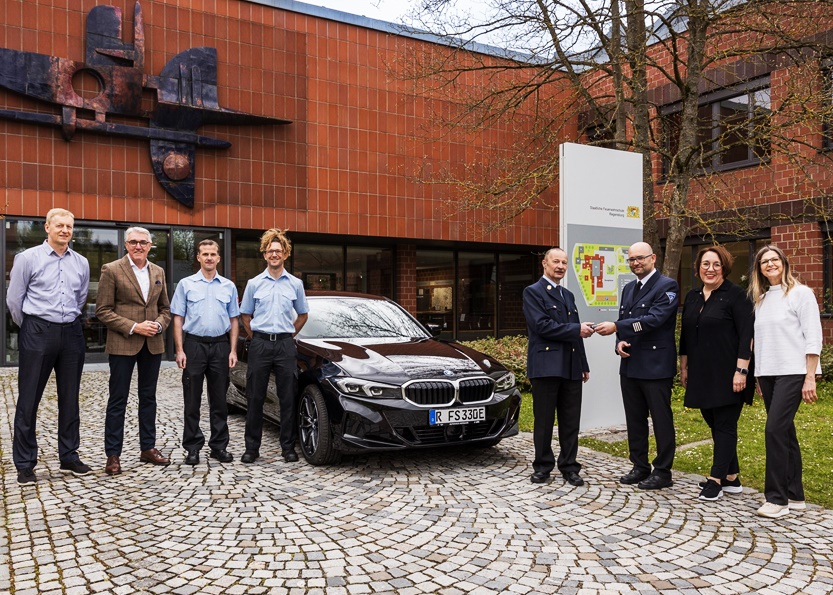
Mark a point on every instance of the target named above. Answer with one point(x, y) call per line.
point(357, 318)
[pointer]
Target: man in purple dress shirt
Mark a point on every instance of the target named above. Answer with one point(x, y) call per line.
point(47, 291)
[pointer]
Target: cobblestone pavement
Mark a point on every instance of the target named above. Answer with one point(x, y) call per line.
point(459, 521)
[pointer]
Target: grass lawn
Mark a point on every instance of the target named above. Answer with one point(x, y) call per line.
point(814, 424)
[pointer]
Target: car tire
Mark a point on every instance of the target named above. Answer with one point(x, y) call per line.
point(314, 431)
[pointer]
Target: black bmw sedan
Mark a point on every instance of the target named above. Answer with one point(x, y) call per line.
point(370, 377)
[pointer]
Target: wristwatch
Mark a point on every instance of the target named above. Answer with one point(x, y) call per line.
point(743, 371)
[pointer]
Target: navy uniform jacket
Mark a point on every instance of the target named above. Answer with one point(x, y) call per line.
point(555, 344)
point(647, 323)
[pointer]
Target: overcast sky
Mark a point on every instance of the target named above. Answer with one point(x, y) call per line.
point(384, 10)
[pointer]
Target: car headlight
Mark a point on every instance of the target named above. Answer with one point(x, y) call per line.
point(505, 382)
point(367, 388)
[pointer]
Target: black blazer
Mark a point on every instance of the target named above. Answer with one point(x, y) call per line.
point(556, 348)
point(647, 321)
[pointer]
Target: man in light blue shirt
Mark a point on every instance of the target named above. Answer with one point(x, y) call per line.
point(48, 287)
point(267, 314)
point(205, 335)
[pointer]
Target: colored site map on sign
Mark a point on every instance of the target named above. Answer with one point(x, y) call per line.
point(598, 267)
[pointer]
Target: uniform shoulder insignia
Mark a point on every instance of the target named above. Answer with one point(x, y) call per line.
point(671, 295)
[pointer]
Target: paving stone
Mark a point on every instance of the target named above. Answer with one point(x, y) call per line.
point(444, 521)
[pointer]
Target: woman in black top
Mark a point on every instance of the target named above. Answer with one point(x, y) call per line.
point(715, 350)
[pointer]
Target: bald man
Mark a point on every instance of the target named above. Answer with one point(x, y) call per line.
point(645, 343)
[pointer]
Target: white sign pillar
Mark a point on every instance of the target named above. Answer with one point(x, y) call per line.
point(600, 217)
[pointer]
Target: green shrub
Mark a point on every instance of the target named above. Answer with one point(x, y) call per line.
point(510, 351)
point(827, 362)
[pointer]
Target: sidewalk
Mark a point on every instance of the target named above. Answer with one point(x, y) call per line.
point(453, 521)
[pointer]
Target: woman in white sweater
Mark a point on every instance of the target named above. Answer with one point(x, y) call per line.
point(787, 346)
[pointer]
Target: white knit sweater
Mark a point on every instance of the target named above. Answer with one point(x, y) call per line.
point(787, 329)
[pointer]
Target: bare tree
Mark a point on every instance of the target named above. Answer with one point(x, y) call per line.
point(635, 76)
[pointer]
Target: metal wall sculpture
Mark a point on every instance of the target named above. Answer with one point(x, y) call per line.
point(186, 96)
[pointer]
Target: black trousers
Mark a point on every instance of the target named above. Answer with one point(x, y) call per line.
point(723, 422)
point(266, 357)
point(553, 395)
point(46, 346)
point(649, 397)
point(205, 361)
point(121, 373)
point(782, 397)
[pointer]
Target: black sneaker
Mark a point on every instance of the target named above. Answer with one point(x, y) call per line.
point(732, 486)
point(26, 476)
point(76, 468)
point(711, 491)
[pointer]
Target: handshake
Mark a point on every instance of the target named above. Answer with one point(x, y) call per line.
point(602, 328)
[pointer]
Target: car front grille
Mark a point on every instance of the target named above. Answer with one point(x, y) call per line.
point(476, 389)
point(436, 393)
point(425, 435)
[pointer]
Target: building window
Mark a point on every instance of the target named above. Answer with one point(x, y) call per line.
point(318, 266)
point(477, 278)
point(742, 251)
point(515, 273)
point(370, 270)
point(435, 283)
point(733, 127)
point(827, 107)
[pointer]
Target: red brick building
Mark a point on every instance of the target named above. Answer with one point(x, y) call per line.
point(340, 177)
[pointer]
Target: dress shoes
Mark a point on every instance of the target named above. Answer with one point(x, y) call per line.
point(655, 482)
point(113, 466)
point(192, 458)
point(540, 477)
point(634, 476)
point(250, 456)
point(223, 455)
point(154, 457)
point(573, 478)
point(290, 456)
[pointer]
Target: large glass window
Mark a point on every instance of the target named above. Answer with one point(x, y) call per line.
point(435, 290)
point(733, 127)
point(99, 246)
point(477, 278)
point(516, 271)
point(319, 267)
point(370, 270)
point(20, 235)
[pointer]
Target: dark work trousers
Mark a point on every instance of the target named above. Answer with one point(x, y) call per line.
point(121, 372)
point(47, 346)
point(266, 357)
point(553, 395)
point(205, 361)
point(782, 397)
point(723, 422)
point(649, 397)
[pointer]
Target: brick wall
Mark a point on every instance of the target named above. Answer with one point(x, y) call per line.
point(346, 164)
point(406, 277)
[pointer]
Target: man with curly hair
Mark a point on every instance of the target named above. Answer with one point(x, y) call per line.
point(267, 312)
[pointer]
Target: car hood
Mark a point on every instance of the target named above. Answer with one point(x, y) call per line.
point(396, 361)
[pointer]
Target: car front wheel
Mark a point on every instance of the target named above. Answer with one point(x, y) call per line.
point(314, 428)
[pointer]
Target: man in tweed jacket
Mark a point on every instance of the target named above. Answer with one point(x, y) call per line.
point(133, 303)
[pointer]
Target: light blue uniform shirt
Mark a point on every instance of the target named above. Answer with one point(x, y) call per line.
point(205, 306)
point(271, 301)
point(48, 286)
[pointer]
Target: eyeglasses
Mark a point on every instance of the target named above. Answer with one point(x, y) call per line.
point(773, 260)
point(273, 252)
point(711, 265)
point(636, 259)
point(142, 243)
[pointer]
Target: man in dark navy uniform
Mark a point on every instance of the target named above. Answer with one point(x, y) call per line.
point(645, 342)
point(556, 367)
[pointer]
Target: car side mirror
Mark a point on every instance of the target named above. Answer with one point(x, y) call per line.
point(434, 328)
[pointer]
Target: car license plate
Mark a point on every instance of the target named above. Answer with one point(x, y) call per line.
point(439, 417)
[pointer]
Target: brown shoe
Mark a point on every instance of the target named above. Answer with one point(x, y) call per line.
point(113, 466)
point(154, 457)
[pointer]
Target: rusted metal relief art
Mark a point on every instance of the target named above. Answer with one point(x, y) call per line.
point(186, 96)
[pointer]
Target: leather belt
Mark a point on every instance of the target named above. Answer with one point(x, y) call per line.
point(45, 321)
point(272, 336)
point(217, 339)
